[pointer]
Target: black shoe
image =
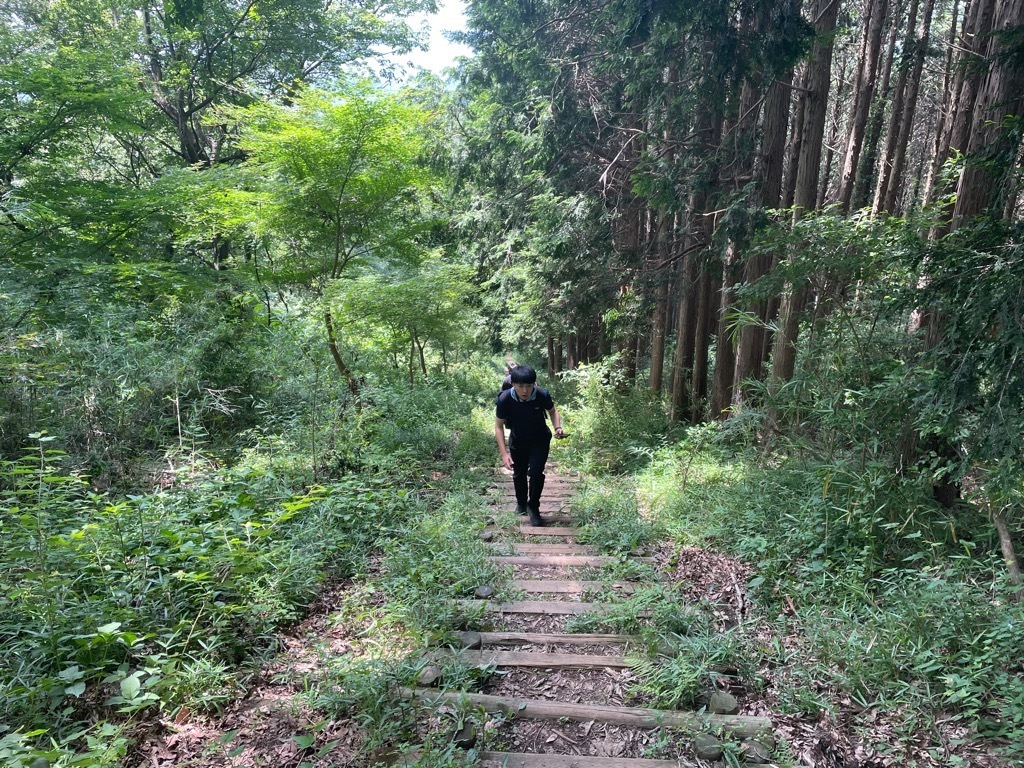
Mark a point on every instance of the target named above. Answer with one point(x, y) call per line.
point(521, 509)
point(535, 515)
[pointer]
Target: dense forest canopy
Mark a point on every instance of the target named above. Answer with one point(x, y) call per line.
point(247, 279)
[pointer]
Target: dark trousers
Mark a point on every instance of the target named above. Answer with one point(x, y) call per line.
point(528, 460)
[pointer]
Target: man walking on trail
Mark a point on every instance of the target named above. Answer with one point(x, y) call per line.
point(522, 410)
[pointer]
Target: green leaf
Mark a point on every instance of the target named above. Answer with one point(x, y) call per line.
point(305, 741)
point(130, 687)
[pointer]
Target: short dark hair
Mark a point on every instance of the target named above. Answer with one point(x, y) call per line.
point(523, 374)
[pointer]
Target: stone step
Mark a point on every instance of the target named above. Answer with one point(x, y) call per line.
point(740, 726)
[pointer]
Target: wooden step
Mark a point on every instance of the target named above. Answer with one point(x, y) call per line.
point(561, 496)
point(568, 587)
point(543, 607)
point(551, 520)
point(546, 507)
point(530, 530)
point(548, 530)
point(536, 660)
point(568, 560)
point(528, 760)
point(544, 638)
point(740, 726)
point(549, 549)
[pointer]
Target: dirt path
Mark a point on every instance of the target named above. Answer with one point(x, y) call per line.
point(561, 698)
point(555, 696)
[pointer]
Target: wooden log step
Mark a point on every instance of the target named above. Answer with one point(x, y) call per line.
point(546, 507)
point(568, 587)
point(533, 659)
point(548, 530)
point(543, 607)
point(530, 760)
point(546, 496)
point(741, 726)
point(548, 549)
point(530, 530)
point(568, 560)
point(551, 520)
point(544, 638)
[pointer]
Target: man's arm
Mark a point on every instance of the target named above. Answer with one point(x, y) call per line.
point(556, 421)
point(499, 436)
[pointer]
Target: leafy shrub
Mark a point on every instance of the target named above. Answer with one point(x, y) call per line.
point(203, 574)
point(614, 426)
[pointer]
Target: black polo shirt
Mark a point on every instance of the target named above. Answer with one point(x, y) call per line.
point(525, 419)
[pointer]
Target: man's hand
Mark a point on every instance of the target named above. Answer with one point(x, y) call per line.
point(506, 459)
point(559, 433)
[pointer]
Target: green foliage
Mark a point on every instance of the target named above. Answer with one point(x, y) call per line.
point(897, 601)
point(680, 680)
point(973, 395)
point(435, 560)
point(609, 520)
point(614, 426)
point(651, 612)
point(398, 316)
point(182, 582)
point(330, 178)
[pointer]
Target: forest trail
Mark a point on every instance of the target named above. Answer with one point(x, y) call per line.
point(562, 695)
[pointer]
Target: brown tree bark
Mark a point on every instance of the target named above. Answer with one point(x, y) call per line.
point(973, 49)
point(819, 67)
point(686, 329)
point(890, 177)
point(708, 287)
point(1006, 545)
point(863, 95)
point(867, 176)
point(838, 104)
point(661, 296)
point(992, 148)
point(339, 361)
point(750, 351)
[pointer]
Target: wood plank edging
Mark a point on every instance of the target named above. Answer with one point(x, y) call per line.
point(543, 638)
point(533, 659)
point(551, 760)
point(741, 726)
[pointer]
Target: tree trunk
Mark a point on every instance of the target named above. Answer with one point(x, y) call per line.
point(867, 176)
point(796, 136)
point(890, 177)
point(992, 148)
point(658, 337)
point(332, 345)
point(423, 359)
point(838, 103)
point(1006, 545)
point(974, 48)
point(750, 351)
point(706, 293)
point(725, 352)
point(940, 142)
point(863, 95)
point(819, 66)
point(686, 328)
